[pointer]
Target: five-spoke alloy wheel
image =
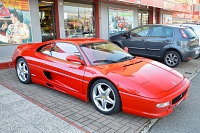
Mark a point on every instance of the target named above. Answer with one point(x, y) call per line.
point(23, 72)
point(105, 97)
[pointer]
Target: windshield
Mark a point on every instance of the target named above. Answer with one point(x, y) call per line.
point(104, 53)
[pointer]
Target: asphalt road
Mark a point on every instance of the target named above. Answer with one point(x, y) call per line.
point(186, 116)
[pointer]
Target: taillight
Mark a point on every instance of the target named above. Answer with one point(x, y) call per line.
point(184, 35)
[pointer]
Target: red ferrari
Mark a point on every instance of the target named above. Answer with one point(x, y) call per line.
point(96, 70)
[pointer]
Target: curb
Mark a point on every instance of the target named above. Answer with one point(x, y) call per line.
point(147, 126)
point(5, 65)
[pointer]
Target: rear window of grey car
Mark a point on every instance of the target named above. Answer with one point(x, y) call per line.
point(189, 32)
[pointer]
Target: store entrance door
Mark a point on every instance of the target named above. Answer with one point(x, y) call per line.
point(47, 22)
point(143, 17)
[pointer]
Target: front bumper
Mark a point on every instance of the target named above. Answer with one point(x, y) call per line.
point(146, 107)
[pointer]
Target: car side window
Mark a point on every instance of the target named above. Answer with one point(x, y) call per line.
point(162, 31)
point(140, 31)
point(62, 50)
point(46, 49)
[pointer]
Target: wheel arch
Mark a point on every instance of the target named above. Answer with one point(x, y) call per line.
point(172, 49)
point(92, 82)
point(17, 60)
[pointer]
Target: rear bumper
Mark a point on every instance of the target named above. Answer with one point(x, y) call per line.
point(190, 53)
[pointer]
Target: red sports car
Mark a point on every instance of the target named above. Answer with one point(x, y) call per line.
point(96, 70)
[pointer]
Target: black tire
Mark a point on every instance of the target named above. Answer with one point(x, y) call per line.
point(172, 59)
point(23, 72)
point(105, 97)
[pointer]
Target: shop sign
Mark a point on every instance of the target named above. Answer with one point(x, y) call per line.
point(181, 15)
point(168, 5)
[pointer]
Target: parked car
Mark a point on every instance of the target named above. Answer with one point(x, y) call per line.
point(98, 70)
point(170, 43)
point(195, 27)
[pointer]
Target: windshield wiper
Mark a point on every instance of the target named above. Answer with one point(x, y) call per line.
point(107, 61)
point(125, 58)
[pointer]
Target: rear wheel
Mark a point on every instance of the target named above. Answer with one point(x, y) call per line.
point(172, 59)
point(105, 97)
point(23, 72)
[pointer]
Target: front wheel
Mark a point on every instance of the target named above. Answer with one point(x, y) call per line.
point(105, 97)
point(23, 72)
point(172, 59)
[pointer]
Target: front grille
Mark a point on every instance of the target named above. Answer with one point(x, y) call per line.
point(175, 100)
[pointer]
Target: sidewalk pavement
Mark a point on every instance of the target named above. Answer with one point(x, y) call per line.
point(22, 109)
point(18, 115)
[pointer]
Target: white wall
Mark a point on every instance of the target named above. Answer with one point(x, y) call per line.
point(104, 18)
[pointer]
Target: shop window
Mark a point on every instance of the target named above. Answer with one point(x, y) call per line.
point(120, 20)
point(79, 20)
point(167, 19)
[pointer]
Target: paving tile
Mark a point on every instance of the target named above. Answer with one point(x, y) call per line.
point(21, 105)
point(34, 115)
point(12, 123)
point(10, 98)
point(123, 129)
point(5, 112)
point(4, 91)
point(104, 129)
point(28, 129)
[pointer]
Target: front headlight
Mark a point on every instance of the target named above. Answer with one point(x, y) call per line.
point(161, 105)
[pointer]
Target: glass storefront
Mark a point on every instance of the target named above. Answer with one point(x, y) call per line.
point(120, 20)
point(79, 20)
point(167, 19)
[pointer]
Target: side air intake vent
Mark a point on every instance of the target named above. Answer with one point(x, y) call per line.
point(47, 75)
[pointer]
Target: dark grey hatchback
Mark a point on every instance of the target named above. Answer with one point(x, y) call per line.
point(170, 43)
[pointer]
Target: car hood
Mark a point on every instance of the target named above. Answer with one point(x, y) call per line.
point(151, 75)
point(155, 77)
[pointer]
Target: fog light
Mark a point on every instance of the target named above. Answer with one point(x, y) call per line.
point(161, 105)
